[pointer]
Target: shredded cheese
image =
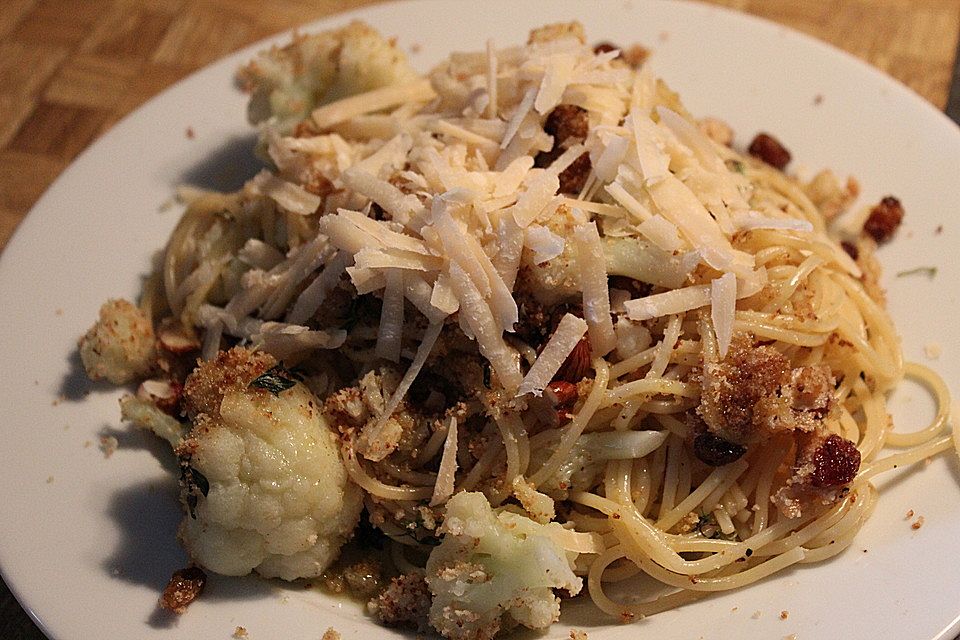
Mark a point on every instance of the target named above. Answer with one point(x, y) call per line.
point(569, 332)
point(336, 112)
point(593, 282)
point(723, 307)
point(291, 197)
point(446, 473)
point(477, 315)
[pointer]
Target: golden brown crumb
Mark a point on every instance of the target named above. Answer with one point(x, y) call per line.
point(86, 444)
point(784, 615)
point(909, 515)
point(917, 523)
point(635, 55)
point(331, 634)
point(230, 370)
point(184, 587)
point(406, 600)
point(576, 634)
point(108, 444)
point(240, 632)
point(191, 134)
point(49, 479)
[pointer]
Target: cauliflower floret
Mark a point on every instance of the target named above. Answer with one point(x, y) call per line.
point(495, 570)
point(261, 473)
point(555, 280)
point(120, 346)
point(288, 83)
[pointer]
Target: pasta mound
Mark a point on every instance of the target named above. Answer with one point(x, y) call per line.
point(527, 319)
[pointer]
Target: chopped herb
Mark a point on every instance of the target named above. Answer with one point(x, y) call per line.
point(200, 481)
point(192, 481)
point(930, 272)
point(274, 380)
point(736, 165)
point(707, 527)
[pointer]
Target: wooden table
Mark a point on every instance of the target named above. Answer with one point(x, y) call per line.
point(69, 69)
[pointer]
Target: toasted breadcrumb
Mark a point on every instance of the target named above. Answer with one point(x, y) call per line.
point(917, 523)
point(229, 371)
point(240, 632)
point(331, 634)
point(406, 600)
point(184, 587)
point(120, 345)
point(576, 634)
point(784, 615)
point(109, 445)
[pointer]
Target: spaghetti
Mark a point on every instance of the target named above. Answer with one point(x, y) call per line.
point(418, 248)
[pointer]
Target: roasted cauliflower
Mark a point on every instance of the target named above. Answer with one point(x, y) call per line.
point(493, 571)
point(261, 473)
point(287, 83)
point(120, 346)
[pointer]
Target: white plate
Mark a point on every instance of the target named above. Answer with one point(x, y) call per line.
point(87, 542)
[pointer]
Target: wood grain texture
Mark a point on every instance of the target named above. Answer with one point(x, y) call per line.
point(69, 69)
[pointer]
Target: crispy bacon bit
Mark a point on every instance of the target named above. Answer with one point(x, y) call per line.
point(836, 462)
point(184, 587)
point(561, 394)
point(577, 365)
point(574, 177)
point(566, 123)
point(884, 220)
point(767, 148)
point(605, 47)
point(715, 451)
point(851, 249)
